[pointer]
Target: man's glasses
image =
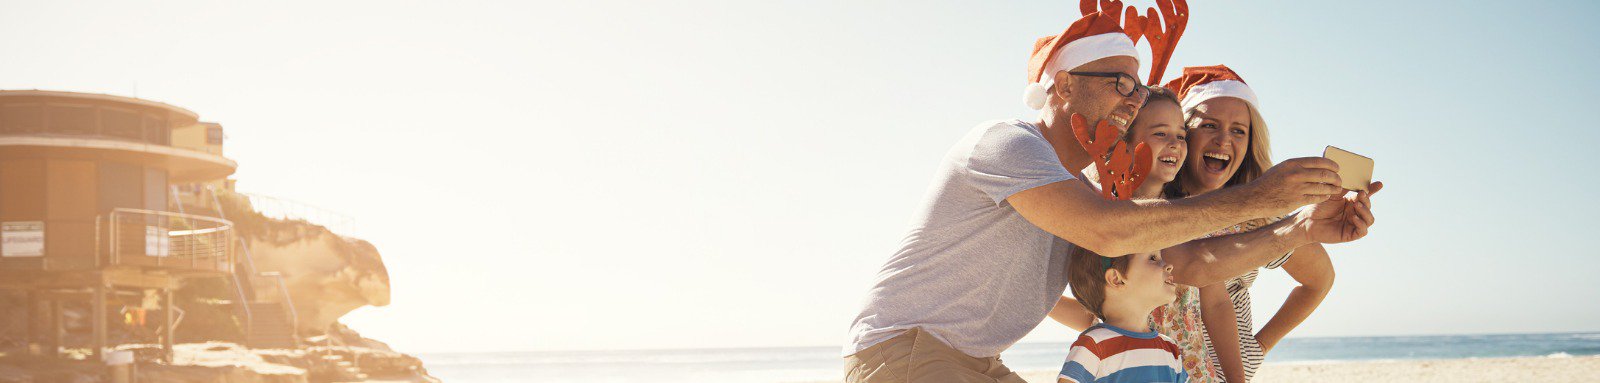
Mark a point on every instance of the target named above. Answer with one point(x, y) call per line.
point(1126, 85)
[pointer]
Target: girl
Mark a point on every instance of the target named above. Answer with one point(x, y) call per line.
point(1159, 125)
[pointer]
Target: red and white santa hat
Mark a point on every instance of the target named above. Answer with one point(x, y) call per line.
point(1201, 83)
point(1095, 36)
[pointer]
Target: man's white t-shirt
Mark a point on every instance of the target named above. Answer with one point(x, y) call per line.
point(972, 272)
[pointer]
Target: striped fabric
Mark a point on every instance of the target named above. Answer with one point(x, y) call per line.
point(1107, 354)
point(1239, 293)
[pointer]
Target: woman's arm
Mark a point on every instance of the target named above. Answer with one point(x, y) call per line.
point(1310, 267)
point(1071, 313)
point(1222, 327)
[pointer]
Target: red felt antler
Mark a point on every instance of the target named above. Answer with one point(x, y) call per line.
point(1121, 172)
point(1174, 18)
point(1162, 29)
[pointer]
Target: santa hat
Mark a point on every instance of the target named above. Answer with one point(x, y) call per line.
point(1198, 84)
point(1095, 36)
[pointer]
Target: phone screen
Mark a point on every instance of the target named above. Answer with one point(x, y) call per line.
point(1354, 169)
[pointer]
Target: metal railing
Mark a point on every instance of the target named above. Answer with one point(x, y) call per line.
point(287, 209)
point(174, 240)
point(288, 304)
point(248, 264)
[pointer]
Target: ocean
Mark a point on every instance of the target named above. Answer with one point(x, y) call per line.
point(813, 364)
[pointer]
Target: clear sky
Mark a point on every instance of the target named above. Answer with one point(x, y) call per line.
point(604, 174)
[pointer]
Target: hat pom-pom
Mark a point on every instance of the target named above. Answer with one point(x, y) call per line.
point(1035, 95)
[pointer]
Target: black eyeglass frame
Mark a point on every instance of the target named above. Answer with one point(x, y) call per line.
point(1118, 85)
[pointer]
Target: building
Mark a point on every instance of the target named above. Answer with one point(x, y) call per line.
point(92, 193)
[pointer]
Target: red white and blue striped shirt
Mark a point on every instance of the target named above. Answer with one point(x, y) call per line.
point(1107, 354)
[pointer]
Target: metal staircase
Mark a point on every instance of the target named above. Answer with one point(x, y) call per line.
point(267, 324)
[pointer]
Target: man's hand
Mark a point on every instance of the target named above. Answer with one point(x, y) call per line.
point(1294, 183)
point(1340, 218)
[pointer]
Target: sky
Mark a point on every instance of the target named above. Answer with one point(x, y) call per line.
point(692, 174)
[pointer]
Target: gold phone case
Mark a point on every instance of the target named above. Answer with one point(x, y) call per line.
point(1354, 169)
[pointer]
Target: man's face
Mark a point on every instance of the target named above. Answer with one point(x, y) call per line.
point(1096, 98)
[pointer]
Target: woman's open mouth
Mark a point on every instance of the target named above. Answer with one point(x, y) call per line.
point(1216, 162)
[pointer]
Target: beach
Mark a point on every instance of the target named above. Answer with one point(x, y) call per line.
point(1527, 369)
point(1551, 357)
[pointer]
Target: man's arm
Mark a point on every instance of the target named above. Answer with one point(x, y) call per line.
point(1077, 213)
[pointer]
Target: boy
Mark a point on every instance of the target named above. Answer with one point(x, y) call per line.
point(1121, 292)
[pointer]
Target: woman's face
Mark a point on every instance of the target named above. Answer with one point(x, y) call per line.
point(1160, 127)
point(1219, 135)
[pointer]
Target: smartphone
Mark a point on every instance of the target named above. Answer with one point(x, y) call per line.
point(1354, 169)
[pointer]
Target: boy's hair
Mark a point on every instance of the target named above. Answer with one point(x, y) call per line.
point(1086, 275)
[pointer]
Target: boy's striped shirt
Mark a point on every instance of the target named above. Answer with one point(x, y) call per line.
point(1109, 354)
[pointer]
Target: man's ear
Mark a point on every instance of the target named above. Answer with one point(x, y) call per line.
point(1063, 85)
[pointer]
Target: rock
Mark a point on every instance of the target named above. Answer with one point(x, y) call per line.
point(326, 275)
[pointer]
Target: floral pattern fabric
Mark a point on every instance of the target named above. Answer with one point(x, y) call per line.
point(1180, 320)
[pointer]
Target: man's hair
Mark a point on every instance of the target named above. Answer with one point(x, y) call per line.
point(1086, 275)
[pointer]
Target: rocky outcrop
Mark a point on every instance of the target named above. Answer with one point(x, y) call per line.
point(327, 275)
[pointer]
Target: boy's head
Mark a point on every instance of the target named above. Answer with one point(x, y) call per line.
point(1142, 281)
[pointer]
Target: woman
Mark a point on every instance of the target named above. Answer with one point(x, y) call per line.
point(1228, 145)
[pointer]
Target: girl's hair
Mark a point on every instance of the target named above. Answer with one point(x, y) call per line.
point(1156, 93)
point(1257, 158)
point(1086, 275)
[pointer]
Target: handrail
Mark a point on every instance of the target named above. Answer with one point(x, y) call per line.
point(284, 208)
point(249, 264)
point(288, 302)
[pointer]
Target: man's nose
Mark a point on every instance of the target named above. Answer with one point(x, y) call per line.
point(1133, 102)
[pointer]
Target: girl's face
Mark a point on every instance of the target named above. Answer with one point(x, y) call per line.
point(1149, 280)
point(1219, 135)
point(1160, 127)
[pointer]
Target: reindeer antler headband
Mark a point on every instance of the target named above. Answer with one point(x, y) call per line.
point(1122, 171)
point(1162, 30)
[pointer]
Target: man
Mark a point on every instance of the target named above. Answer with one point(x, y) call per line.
point(985, 259)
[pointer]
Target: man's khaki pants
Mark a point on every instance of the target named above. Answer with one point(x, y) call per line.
point(916, 356)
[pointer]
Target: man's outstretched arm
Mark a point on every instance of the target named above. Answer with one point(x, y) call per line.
point(1077, 213)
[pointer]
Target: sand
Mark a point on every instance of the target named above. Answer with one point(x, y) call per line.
point(1537, 369)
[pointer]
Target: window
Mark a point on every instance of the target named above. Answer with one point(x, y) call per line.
point(21, 118)
point(156, 131)
point(120, 124)
point(214, 135)
point(72, 119)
